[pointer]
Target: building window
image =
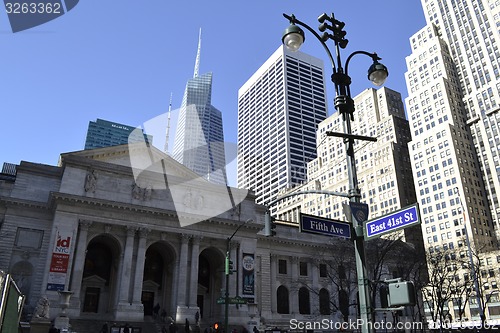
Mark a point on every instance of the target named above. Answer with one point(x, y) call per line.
point(282, 299)
point(282, 266)
point(324, 302)
point(303, 268)
point(29, 238)
point(323, 272)
point(304, 305)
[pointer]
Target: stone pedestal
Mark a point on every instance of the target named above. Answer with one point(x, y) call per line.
point(129, 312)
point(39, 325)
point(62, 321)
point(188, 312)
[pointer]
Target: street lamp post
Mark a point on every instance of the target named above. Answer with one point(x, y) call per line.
point(293, 37)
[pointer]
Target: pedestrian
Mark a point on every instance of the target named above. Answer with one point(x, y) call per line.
point(186, 326)
point(163, 315)
point(197, 317)
point(126, 329)
point(104, 328)
point(163, 329)
point(255, 329)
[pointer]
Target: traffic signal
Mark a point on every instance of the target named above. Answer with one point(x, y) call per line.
point(229, 265)
point(269, 225)
point(401, 293)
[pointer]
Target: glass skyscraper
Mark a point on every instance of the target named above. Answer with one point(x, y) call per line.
point(103, 133)
point(199, 137)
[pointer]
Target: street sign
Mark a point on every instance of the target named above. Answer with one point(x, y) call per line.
point(403, 218)
point(359, 211)
point(232, 300)
point(318, 225)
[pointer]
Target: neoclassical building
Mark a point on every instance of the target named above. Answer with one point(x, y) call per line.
point(127, 227)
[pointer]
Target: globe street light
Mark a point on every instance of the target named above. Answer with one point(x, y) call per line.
point(293, 38)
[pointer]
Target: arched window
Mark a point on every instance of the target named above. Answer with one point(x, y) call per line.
point(324, 302)
point(304, 304)
point(282, 299)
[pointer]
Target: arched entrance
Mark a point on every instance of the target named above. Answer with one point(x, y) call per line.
point(99, 275)
point(157, 286)
point(210, 284)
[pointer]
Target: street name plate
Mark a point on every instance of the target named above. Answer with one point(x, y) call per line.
point(403, 218)
point(319, 225)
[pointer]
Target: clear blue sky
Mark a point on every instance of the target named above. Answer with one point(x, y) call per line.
point(121, 60)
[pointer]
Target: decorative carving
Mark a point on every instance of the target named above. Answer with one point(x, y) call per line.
point(91, 181)
point(144, 232)
point(107, 229)
point(85, 225)
point(185, 238)
point(42, 308)
point(140, 193)
point(196, 239)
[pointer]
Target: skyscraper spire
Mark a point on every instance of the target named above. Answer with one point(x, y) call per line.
point(197, 63)
point(165, 149)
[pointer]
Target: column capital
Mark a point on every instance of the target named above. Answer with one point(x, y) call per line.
point(184, 237)
point(85, 225)
point(144, 232)
point(196, 239)
point(294, 259)
point(131, 230)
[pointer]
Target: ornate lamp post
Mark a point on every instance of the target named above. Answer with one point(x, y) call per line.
point(332, 29)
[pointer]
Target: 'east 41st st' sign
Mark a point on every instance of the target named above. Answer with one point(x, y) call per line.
point(403, 218)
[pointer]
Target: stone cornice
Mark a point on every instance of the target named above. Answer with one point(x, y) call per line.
point(11, 202)
point(292, 242)
point(58, 197)
point(41, 169)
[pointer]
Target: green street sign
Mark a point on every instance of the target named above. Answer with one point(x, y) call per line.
point(232, 300)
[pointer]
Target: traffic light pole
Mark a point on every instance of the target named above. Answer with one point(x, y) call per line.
point(228, 270)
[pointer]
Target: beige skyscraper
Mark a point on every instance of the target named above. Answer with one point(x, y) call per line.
point(383, 167)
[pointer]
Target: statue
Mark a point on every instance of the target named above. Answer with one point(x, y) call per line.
point(91, 181)
point(42, 308)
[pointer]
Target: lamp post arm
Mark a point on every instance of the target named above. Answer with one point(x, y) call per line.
point(374, 56)
point(294, 20)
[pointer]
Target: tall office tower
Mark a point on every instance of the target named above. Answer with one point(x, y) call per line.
point(383, 167)
point(279, 108)
point(452, 110)
point(199, 137)
point(103, 133)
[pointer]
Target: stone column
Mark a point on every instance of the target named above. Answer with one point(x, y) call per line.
point(314, 296)
point(195, 256)
point(139, 268)
point(274, 269)
point(126, 275)
point(294, 291)
point(182, 269)
point(79, 264)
